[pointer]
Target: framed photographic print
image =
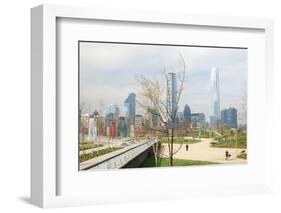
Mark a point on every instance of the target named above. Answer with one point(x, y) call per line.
point(148, 105)
point(159, 105)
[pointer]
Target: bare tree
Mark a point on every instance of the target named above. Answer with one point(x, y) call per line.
point(153, 133)
point(153, 98)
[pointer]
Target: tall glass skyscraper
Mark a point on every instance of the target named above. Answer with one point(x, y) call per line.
point(130, 105)
point(229, 117)
point(215, 97)
point(187, 113)
point(172, 93)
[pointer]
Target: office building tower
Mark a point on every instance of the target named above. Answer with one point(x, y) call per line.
point(198, 119)
point(215, 98)
point(122, 127)
point(130, 106)
point(187, 113)
point(180, 117)
point(229, 117)
point(172, 94)
point(92, 130)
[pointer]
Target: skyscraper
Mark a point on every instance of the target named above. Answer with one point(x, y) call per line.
point(187, 113)
point(139, 122)
point(130, 105)
point(179, 117)
point(198, 119)
point(215, 97)
point(172, 93)
point(152, 118)
point(229, 117)
point(92, 129)
point(122, 127)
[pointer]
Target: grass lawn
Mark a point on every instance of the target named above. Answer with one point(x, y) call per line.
point(164, 162)
point(230, 144)
point(202, 134)
point(87, 145)
point(243, 156)
point(230, 141)
point(179, 141)
point(94, 154)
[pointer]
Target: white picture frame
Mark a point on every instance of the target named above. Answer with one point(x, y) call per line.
point(44, 150)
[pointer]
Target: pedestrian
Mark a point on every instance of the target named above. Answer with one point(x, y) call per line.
point(229, 154)
point(186, 147)
point(226, 154)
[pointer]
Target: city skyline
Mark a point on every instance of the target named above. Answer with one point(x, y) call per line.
point(124, 61)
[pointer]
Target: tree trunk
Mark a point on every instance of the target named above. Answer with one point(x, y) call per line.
point(172, 148)
point(155, 154)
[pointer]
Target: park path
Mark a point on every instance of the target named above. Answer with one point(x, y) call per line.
point(203, 152)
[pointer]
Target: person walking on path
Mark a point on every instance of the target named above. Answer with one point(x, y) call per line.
point(227, 154)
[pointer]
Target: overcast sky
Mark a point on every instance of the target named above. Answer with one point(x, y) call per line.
point(108, 73)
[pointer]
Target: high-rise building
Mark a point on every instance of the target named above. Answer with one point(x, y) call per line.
point(122, 127)
point(187, 113)
point(139, 122)
point(112, 129)
point(130, 106)
point(229, 117)
point(151, 118)
point(84, 126)
point(92, 130)
point(100, 125)
point(109, 109)
point(180, 117)
point(117, 112)
point(215, 97)
point(198, 119)
point(108, 118)
point(172, 94)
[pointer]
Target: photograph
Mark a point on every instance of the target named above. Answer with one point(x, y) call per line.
point(148, 105)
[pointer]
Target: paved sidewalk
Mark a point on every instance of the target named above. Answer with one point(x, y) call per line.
point(203, 152)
